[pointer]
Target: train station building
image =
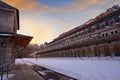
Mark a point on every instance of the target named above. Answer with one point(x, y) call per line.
point(9, 39)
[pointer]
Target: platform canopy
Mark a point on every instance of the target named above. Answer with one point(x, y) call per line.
point(17, 39)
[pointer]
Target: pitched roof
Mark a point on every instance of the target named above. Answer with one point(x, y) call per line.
point(17, 39)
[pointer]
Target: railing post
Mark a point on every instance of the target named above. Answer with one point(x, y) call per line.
point(2, 73)
point(7, 69)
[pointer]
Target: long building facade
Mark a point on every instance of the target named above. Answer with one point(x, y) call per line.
point(99, 37)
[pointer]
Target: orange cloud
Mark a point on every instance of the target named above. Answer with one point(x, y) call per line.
point(23, 4)
point(79, 5)
point(31, 5)
point(74, 6)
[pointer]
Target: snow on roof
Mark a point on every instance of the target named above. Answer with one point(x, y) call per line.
point(5, 35)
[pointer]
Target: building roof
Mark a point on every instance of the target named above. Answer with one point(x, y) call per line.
point(113, 10)
point(17, 39)
point(7, 6)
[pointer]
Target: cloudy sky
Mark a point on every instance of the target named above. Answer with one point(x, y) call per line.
point(47, 19)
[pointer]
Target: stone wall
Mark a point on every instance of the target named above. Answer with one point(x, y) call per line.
point(6, 21)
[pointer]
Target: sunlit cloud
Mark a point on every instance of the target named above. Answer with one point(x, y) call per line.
point(72, 7)
point(23, 4)
point(40, 32)
point(75, 6)
point(33, 5)
point(79, 5)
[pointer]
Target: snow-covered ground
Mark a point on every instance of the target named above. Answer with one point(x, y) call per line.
point(7, 78)
point(85, 69)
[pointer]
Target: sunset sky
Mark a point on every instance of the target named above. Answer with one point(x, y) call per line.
point(47, 19)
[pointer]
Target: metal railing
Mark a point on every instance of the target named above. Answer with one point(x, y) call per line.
point(4, 68)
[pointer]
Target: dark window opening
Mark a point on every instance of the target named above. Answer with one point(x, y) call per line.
point(89, 30)
point(97, 27)
point(102, 35)
point(102, 26)
point(116, 32)
point(106, 23)
point(106, 34)
point(112, 33)
point(93, 29)
point(117, 19)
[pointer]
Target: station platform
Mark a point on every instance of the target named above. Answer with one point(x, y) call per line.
point(25, 72)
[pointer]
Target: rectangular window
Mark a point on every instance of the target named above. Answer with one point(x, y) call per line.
point(97, 26)
point(106, 23)
point(117, 19)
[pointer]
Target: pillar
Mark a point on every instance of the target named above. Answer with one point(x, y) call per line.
point(102, 50)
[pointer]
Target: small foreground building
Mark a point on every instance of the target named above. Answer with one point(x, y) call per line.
point(9, 39)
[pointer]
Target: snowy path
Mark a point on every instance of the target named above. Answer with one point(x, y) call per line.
point(81, 69)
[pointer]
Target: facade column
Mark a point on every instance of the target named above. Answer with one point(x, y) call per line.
point(81, 54)
point(59, 53)
point(86, 51)
point(102, 50)
point(112, 50)
point(93, 50)
point(75, 52)
point(63, 53)
point(56, 54)
point(70, 52)
point(67, 51)
point(97, 51)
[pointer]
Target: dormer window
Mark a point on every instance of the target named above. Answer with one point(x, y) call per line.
point(106, 23)
point(111, 22)
point(86, 31)
point(93, 28)
point(102, 25)
point(117, 19)
point(97, 27)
